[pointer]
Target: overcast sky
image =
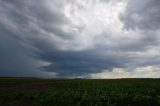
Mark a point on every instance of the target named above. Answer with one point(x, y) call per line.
point(80, 38)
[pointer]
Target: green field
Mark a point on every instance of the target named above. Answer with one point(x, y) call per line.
point(79, 92)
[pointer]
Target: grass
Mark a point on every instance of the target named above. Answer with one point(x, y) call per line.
point(119, 92)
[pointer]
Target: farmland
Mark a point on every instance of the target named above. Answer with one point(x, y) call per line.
point(79, 92)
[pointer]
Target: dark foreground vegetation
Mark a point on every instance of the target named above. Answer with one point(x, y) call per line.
point(78, 92)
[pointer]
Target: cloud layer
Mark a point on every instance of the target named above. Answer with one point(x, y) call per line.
point(73, 38)
point(141, 72)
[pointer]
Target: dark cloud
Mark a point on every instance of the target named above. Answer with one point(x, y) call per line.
point(14, 58)
point(53, 36)
point(20, 34)
point(73, 63)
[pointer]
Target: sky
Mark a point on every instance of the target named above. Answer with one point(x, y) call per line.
point(80, 38)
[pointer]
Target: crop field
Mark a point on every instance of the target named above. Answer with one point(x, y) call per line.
point(79, 92)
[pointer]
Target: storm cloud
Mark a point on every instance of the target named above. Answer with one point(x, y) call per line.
point(79, 38)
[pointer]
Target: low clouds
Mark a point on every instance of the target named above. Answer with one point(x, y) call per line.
point(74, 38)
point(141, 72)
point(77, 63)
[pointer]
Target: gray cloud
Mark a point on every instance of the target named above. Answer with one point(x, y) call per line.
point(75, 38)
point(142, 15)
point(81, 63)
point(17, 60)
